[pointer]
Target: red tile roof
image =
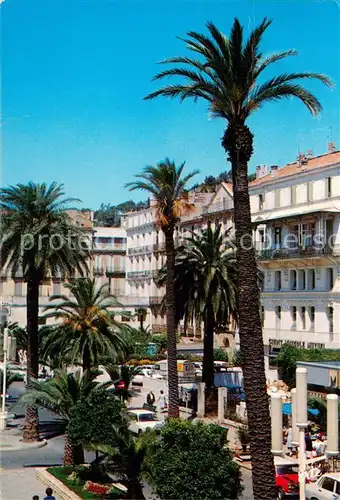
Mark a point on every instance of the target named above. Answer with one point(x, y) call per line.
point(325, 160)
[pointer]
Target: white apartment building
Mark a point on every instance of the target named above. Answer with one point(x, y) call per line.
point(108, 248)
point(296, 214)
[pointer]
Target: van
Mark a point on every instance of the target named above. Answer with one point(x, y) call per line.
point(184, 367)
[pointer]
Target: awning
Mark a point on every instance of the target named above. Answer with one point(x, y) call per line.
point(287, 409)
point(272, 217)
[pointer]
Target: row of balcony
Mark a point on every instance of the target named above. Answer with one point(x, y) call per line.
point(109, 247)
point(147, 249)
point(292, 253)
point(142, 275)
point(109, 271)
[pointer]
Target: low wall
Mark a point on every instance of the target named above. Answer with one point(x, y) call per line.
point(60, 491)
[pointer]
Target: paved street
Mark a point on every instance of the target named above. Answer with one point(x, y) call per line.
point(18, 468)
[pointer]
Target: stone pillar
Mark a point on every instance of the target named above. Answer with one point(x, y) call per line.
point(222, 396)
point(276, 419)
point(301, 397)
point(201, 399)
point(295, 429)
point(332, 425)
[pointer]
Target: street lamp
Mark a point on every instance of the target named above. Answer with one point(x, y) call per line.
point(4, 374)
point(302, 423)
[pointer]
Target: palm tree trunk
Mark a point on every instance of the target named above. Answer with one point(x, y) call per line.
point(238, 143)
point(208, 357)
point(31, 425)
point(73, 454)
point(171, 324)
point(86, 358)
point(135, 490)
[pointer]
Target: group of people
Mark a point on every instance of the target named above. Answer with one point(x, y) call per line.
point(161, 401)
point(49, 495)
point(319, 444)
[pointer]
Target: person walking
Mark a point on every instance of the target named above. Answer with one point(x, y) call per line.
point(309, 445)
point(150, 398)
point(289, 434)
point(162, 402)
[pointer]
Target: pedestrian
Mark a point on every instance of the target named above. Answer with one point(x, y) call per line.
point(150, 398)
point(35, 497)
point(162, 402)
point(49, 494)
point(309, 445)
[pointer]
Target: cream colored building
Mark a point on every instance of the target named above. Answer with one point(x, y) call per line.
point(296, 212)
point(108, 249)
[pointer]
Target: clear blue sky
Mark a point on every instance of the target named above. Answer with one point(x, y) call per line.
point(75, 73)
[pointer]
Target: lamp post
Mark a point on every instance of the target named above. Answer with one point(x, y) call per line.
point(4, 373)
point(302, 423)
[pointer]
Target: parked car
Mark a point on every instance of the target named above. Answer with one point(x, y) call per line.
point(326, 488)
point(143, 419)
point(286, 478)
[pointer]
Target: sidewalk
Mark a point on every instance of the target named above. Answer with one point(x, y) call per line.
point(10, 440)
point(20, 484)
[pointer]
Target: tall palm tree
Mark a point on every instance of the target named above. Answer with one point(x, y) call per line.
point(226, 73)
point(168, 187)
point(87, 328)
point(38, 240)
point(60, 395)
point(205, 284)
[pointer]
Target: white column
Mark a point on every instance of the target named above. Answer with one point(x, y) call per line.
point(332, 425)
point(295, 429)
point(200, 399)
point(222, 396)
point(276, 421)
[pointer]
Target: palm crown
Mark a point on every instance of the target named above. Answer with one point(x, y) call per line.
point(228, 71)
point(36, 232)
point(87, 327)
point(168, 188)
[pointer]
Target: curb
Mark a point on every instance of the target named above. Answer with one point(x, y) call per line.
point(23, 446)
point(61, 491)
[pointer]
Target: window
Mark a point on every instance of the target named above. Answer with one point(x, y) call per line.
point(293, 312)
point(277, 237)
point(329, 187)
point(337, 487)
point(18, 288)
point(328, 484)
point(125, 319)
point(277, 280)
point(330, 281)
point(303, 318)
point(293, 279)
point(312, 318)
point(261, 202)
point(302, 279)
point(330, 319)
point(311, 279)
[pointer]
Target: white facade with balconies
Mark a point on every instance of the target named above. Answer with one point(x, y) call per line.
point(296, 213)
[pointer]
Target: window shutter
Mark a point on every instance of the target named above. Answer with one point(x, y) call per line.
point(293, 195)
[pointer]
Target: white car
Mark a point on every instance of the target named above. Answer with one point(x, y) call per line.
point(326, 488)
point(142, 420)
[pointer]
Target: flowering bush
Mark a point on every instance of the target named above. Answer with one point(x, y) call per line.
point(99, 489)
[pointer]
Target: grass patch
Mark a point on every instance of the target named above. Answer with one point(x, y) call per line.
point(62, 474)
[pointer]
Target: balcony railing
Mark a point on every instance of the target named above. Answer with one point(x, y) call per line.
point(109, 247)
point(98, 271)
point(115, 271)
point(142, 275)
point(159, 247)
point(291, 253)
point(220, 206)
point(142, 250)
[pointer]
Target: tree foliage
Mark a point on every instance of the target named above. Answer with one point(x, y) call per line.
point(289, 355)
point(190, 462)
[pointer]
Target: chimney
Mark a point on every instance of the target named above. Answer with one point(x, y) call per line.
point(258, 171)
point(274, 169)
point(331, 147)
point(302, 159)
point(309, 154)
